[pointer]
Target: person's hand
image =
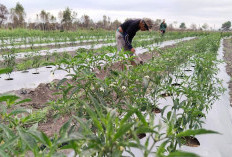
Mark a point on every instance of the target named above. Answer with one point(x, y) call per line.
point(133, 50)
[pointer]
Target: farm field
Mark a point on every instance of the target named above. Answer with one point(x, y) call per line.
point(73, 94)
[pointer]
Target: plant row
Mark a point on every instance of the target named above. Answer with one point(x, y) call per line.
point(107, 117)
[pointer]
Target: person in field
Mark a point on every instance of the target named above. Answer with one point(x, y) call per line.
point(163, 27)
point(126, 32)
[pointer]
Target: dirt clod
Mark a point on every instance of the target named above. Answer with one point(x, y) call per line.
point(191, 141)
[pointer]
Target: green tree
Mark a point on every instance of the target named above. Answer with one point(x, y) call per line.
point(18, 15)
point(44, 16)
point(182, 25)
point(193, 26)
point(205, 26)
point(3, 14)
point(67, 16)
point(226, 26)
point(53, 19)
point(86, 20)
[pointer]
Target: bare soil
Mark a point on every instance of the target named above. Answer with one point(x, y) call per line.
point(228, 59)
point(44, 93)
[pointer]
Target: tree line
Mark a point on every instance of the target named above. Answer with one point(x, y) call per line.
point(67, 20)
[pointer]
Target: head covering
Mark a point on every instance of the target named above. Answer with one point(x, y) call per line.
point(148, 22)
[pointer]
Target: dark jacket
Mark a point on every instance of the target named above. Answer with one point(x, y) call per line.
point(163, 26)
point(130, 28)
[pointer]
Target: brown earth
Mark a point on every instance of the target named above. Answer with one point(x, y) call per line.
point(228, 59)
point(44, 93)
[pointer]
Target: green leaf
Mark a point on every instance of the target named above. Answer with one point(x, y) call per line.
point(135, 145)
point(169, 115)
point(64, 129)
point(116, 153)
point(10, 142)
point(66, 91)
point(76, 136)
point(122, 130)
point(196, 132)
point(27, 139)
point(94, 118)
point(182, 154)
point(161, 149)
point(144, 129)
point(46, 139)
point(37, 135)
point(23, 101)
point(7, 131)
point(141, 117)
point(49, 64)
point(61, 82)
point(6, 70)
point(84, 125)
point(127, 116)
point(163, 109)
point(114, 72)
point(3, 154)
point(18, 111)
point(109, 126)
point(75, 90)
point(10, 98)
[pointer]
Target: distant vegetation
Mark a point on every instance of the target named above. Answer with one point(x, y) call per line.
point(67, 20)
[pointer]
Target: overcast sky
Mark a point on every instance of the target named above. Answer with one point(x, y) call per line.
point(212, 12)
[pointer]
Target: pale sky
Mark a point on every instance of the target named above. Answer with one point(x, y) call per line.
point(212, 12)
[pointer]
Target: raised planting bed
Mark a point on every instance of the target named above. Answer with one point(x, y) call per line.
point(103, 117)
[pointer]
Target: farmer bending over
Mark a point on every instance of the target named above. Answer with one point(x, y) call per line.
point(163, 27)
point(126, 32)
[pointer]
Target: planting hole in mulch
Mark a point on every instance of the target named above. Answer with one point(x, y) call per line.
point(175, 84)
point(193, 66)
point(191, 141)
point(166, 94)
point(156, 110)
point(25, 71)
point(48, 67)
point(187, 70)
point(35, 73)
point(200, 115)
point(142, 135)
point(42, 147)
point(8, 79)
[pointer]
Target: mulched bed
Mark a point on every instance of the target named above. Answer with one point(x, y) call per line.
point(228, 59)
point(44, 93)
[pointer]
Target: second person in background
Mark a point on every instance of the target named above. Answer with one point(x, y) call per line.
point(163, 27)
